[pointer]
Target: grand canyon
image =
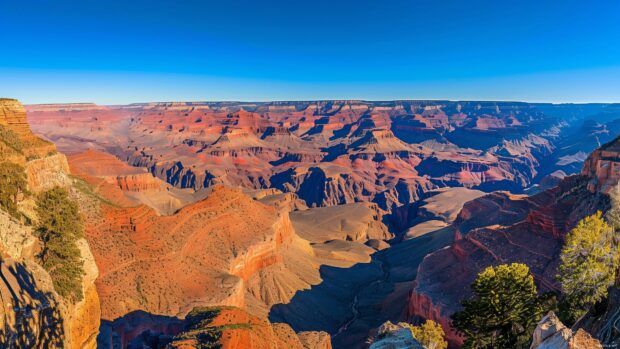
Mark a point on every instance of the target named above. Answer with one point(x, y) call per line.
point(297, 224)
point(326, 174)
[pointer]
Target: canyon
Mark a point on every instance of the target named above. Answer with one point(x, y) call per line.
point(303, 224)
point(389, 153)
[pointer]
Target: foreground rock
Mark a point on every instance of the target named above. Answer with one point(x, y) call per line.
point(394, 336)
point(552, 334)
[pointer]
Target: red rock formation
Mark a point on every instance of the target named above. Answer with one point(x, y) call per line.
point(139, 182)
point(603, 167)
point(350, 150)
point(171, 272)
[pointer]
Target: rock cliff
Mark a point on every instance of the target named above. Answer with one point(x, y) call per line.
point(603, 167)
point(13, 115)
point(34, 314)
point(13, 118)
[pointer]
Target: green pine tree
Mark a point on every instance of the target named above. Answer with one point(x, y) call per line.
point(588, 265)
point(430, 335)
point(59, 228)
point(503, 311)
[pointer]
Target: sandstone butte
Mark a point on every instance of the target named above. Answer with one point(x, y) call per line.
point(330, 152)
point(512, 229)
point(34, 315)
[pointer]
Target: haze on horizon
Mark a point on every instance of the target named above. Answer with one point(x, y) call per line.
point(118, 52)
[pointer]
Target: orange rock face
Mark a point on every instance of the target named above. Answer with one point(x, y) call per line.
point(200, 255)
point(84, 327)
point(13, 117)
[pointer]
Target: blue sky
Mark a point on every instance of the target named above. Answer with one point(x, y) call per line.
point(129, 51)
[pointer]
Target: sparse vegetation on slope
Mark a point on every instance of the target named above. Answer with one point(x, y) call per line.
point(200, 330)
point(59, 228)
point(13, 182)
point(11, 139)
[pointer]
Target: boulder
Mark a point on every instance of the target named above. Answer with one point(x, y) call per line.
point(550, 333)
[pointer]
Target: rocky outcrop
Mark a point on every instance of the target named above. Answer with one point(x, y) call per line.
point(35, 315)
point(13, 118)
point(13, 115)
point(83, 317)
point(229, 328)
point(552, 334)
point(395, 336)
point(139, 264)
point(603, 167)
point(48, 172)
point(315, 340)
point(16, 239)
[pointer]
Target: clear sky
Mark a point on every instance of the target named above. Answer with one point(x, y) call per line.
point(113, 51)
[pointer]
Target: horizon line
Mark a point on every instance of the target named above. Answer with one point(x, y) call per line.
point(321, 100)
